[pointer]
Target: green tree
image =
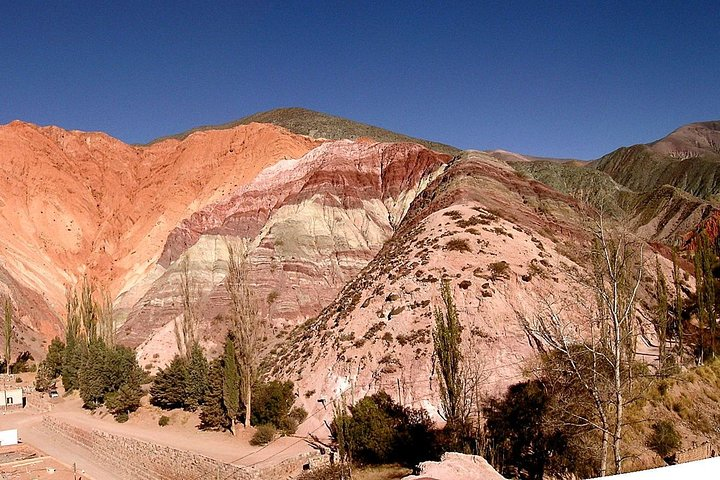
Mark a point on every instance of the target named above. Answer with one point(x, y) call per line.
point(273, 402)
point(105, 370)
point(197, 378)
point(377, 430)
point(231, 383)
point(126, 399)
point(54, 358)
point(213, 415)
point(664, 440)
point(94, 375)
point(169, 389)
point(446, 349)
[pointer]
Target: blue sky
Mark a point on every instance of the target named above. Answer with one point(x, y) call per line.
point(567, 79)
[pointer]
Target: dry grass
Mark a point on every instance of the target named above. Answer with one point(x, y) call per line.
point(383, 472)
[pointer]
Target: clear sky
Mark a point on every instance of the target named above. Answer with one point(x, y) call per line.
point(567, 79)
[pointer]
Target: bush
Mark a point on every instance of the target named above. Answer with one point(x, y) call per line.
point(499, 270)
point(665, 439)
point(523, 436)
point(122, 417)
point(377, 430)
point(164, 420)
point(458, 245)
point(264, 435)
point(272, 405)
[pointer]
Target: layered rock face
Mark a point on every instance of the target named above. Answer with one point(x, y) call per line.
point(309, 224)
point(350, 239)
point(505, 243)
point(75, 203)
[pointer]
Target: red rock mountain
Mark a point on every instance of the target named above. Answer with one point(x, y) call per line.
point(75, 203)
point(348, 240)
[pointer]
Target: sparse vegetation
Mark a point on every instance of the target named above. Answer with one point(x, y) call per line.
point(499, 270)
point(664, 440)
point(458, 245)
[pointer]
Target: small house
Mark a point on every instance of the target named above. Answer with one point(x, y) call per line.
point(12, 397)
point(8, 437)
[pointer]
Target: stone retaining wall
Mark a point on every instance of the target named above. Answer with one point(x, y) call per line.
point(696, 452)
point(137, 459)
point(141, 460)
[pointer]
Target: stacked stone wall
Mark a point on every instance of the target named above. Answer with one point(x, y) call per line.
point(136, 459)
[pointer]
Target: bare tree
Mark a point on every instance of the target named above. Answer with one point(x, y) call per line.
point(248, 326)
point(186, 327)
point(678, 307)
point(601, 358)
point(662, 315)
point(7, 330)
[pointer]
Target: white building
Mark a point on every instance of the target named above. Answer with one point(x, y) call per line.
point(12, 397)
point(8, 437)
point(699, 469)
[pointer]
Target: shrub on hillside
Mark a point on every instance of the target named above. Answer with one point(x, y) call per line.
point(377, 430)
point(458, 245)
point(263, 435)
point(164, 421)
point(272, 405)
point(664, 439)
point(499, 270)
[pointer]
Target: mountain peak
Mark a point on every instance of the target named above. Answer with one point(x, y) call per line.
point(698, 139)
point(315, 124)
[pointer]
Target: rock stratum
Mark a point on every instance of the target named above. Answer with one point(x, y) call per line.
point(349, 230)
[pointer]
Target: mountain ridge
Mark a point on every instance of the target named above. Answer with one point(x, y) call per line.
point(315, 124)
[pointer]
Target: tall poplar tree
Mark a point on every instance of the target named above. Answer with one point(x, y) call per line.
point(231, 383)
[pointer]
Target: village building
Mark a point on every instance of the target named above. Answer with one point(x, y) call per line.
point(12, 398)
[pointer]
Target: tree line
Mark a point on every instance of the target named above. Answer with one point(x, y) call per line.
point(224, 389)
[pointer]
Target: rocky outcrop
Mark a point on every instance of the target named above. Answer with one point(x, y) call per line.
point(505, 244)
point(453, 466)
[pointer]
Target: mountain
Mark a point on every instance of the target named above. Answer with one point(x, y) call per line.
point(311, 224)
point(349, 229)
point(320, 125)
point(83, 203)
point(688, 159)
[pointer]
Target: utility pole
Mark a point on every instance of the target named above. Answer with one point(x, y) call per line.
point(74, 471)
